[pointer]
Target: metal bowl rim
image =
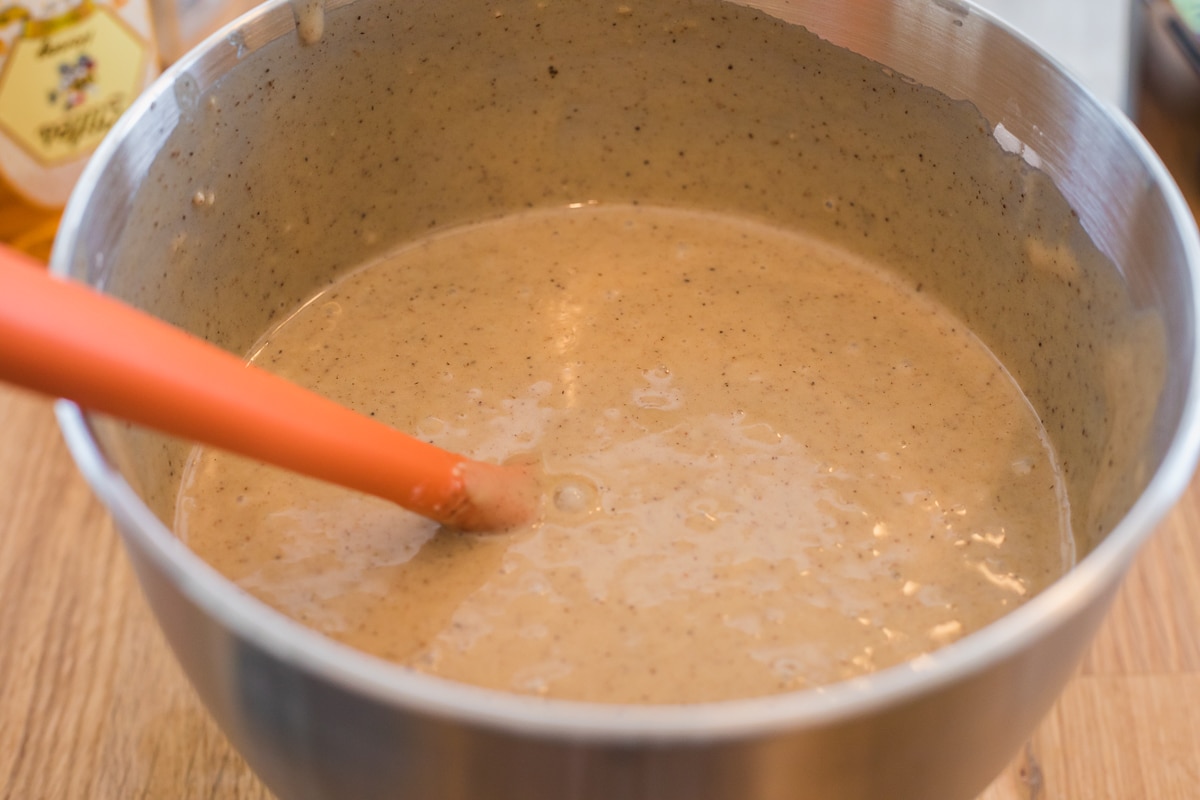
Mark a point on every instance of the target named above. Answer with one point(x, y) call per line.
point(261, 627)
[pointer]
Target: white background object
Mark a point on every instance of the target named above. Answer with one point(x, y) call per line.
point(1092, 38)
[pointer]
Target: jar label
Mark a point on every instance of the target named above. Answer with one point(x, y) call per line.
point(67, 79)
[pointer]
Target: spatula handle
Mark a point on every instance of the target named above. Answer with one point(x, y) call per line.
point(64, 339)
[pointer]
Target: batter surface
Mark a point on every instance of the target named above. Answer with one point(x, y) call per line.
point(769, 464)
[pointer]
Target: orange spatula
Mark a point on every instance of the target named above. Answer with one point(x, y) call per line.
point(63, 339)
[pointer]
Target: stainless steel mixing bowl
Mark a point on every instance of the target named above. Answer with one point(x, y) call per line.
point(316, 720)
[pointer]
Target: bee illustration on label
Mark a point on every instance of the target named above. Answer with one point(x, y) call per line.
point(77, 81)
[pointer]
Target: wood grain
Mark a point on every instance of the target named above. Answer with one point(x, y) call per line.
point(92, 704)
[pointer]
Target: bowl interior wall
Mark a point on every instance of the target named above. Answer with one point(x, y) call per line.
point(277, 166)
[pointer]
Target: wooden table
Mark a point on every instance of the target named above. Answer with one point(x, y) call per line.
point(92, 704)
